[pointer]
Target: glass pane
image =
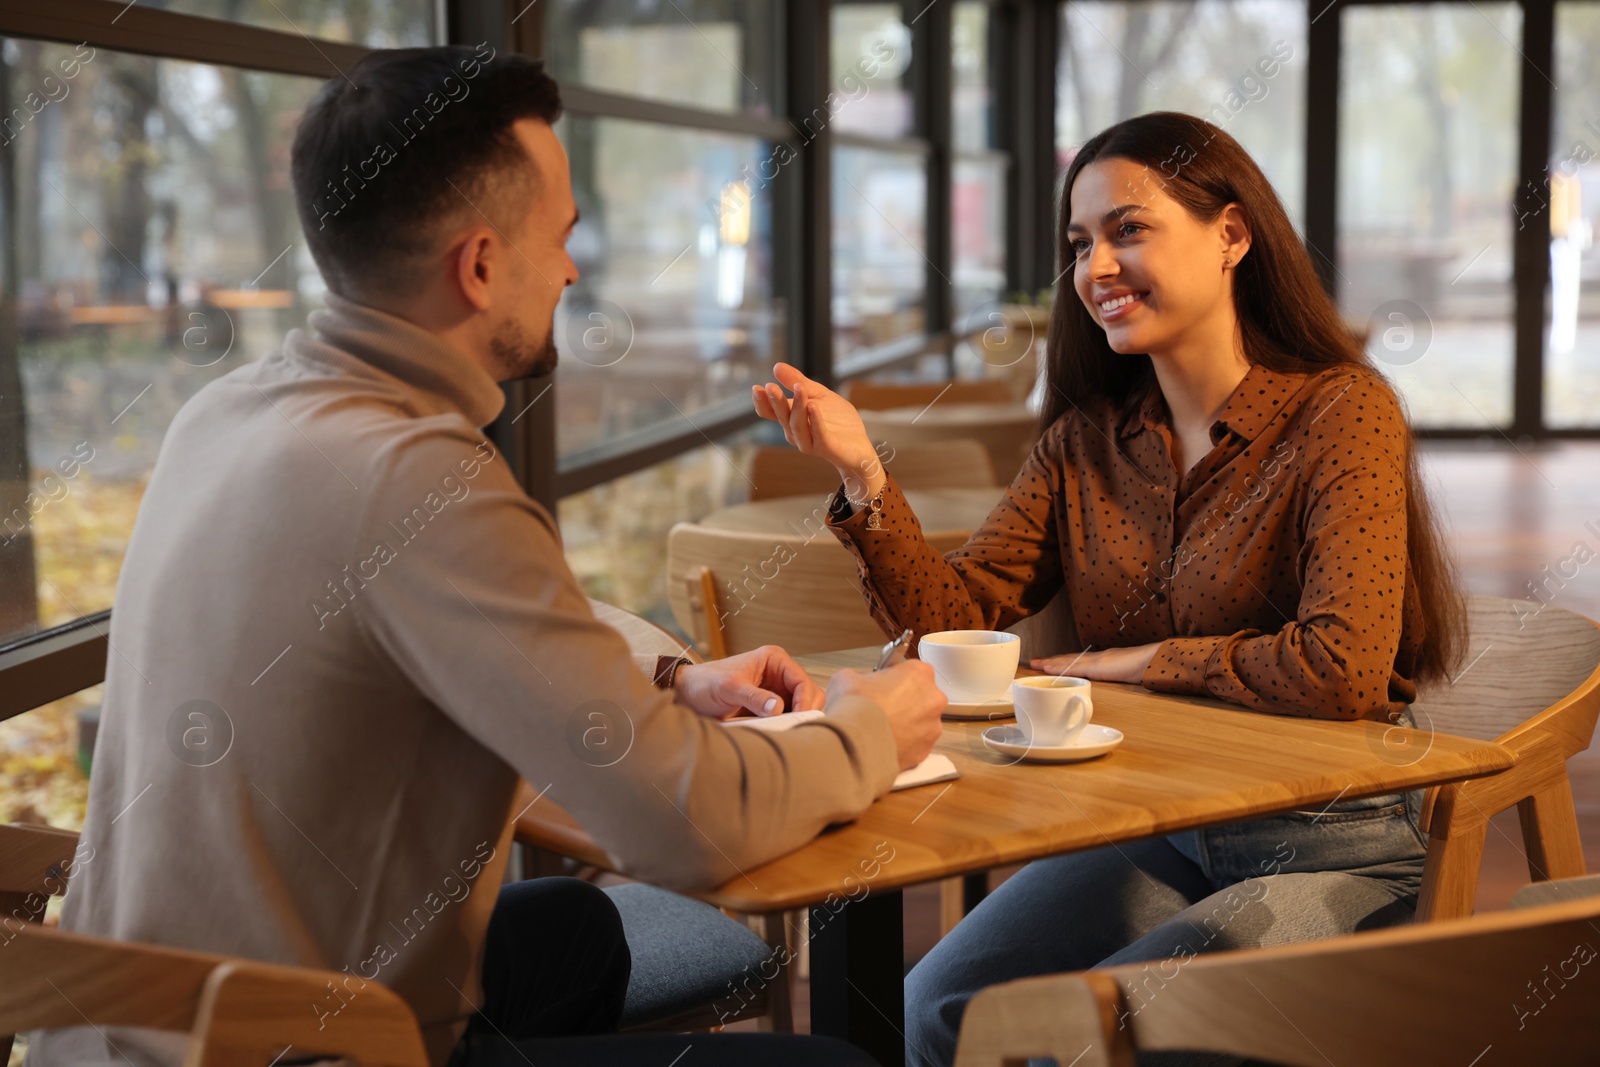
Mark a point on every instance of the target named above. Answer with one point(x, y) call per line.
point(720, 55)
point(615, 534)
point(880, 246)
point(870, 51)
point(1427, 165)
point(972, 104)
point(376, 23)
point(674, 308)
point(151, 247)
point(42, 778)
point(1572, 343)
point(1237, 63)
point(978, 226)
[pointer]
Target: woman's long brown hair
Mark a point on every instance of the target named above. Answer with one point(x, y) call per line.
point(1287, 321)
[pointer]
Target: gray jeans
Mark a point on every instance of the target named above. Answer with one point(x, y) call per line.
point(1355, 865)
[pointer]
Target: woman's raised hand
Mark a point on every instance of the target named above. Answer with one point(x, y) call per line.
point(820, 422)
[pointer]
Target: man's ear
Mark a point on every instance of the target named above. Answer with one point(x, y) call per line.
point(473, 262)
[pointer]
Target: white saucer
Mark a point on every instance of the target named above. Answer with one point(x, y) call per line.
point(1091, 741)
point(1000, 708)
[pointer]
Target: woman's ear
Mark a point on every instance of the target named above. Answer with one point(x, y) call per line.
point(1235, 234)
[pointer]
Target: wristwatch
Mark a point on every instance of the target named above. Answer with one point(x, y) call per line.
point(667, 668)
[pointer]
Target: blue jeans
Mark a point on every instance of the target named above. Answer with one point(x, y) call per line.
point(555, 972)
point(1355, 865)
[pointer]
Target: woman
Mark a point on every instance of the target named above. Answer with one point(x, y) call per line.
point(1227, 497)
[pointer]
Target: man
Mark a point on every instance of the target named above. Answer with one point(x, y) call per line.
point(343, 632)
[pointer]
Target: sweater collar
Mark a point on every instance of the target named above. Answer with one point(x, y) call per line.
point(413, 355)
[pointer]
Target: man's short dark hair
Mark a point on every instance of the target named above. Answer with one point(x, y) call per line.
point(410, 143)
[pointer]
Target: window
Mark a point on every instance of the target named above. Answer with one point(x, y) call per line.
point(869, 56)
point(1239, 65)
point(1572, 336)
point(978, 173)
point(155, 247)
point(879, 247)
point(719, 55)
point(1428, 166)
point(674, 310)
point(380, 24)
point(880, 185)
point(615, 534)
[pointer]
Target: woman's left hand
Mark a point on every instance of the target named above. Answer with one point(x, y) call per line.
point(1107, 665)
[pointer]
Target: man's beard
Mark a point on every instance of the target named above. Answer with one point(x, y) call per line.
point(516, 358)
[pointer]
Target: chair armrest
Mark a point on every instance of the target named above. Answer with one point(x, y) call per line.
point(1466, 805)
point(35, 859)
point(544, 824)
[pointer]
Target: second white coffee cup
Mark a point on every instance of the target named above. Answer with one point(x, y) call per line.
point(1052, 710)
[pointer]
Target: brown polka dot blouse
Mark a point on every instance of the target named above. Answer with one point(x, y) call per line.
point(1274, 573)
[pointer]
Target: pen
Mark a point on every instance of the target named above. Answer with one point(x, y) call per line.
point(894, 650)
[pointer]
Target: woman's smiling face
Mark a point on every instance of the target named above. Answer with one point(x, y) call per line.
point(1148, 272)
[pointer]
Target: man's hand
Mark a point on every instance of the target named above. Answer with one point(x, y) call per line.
point(1107, 665)
point(762, 681)
point(907, 695)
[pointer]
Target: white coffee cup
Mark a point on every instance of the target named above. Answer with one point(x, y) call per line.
point(1052, 710)
point(971, 666)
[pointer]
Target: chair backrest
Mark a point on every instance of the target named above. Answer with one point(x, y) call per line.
point(959, 464)
point(1447, 992)
point(1050, 631)
point(1524, 659)
point(644, 637)
point(1007, 434)
point(800, 592)
point(875, 396)
point(238, 1013)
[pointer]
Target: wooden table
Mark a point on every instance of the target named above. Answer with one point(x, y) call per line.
point(1000, 812)
point(940, 511)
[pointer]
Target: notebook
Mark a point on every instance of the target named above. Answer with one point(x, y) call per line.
point(936, 768)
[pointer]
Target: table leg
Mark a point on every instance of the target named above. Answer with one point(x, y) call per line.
point(974, 887)
point(858, 975)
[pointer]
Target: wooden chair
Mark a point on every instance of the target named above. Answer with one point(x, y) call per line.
point(238, 1013)
point(1436, 993)
point(1530, 680)
point(1006, 431)
point(875, 396)
point(1013, 354)
point(960, 464)
point(733, 591)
